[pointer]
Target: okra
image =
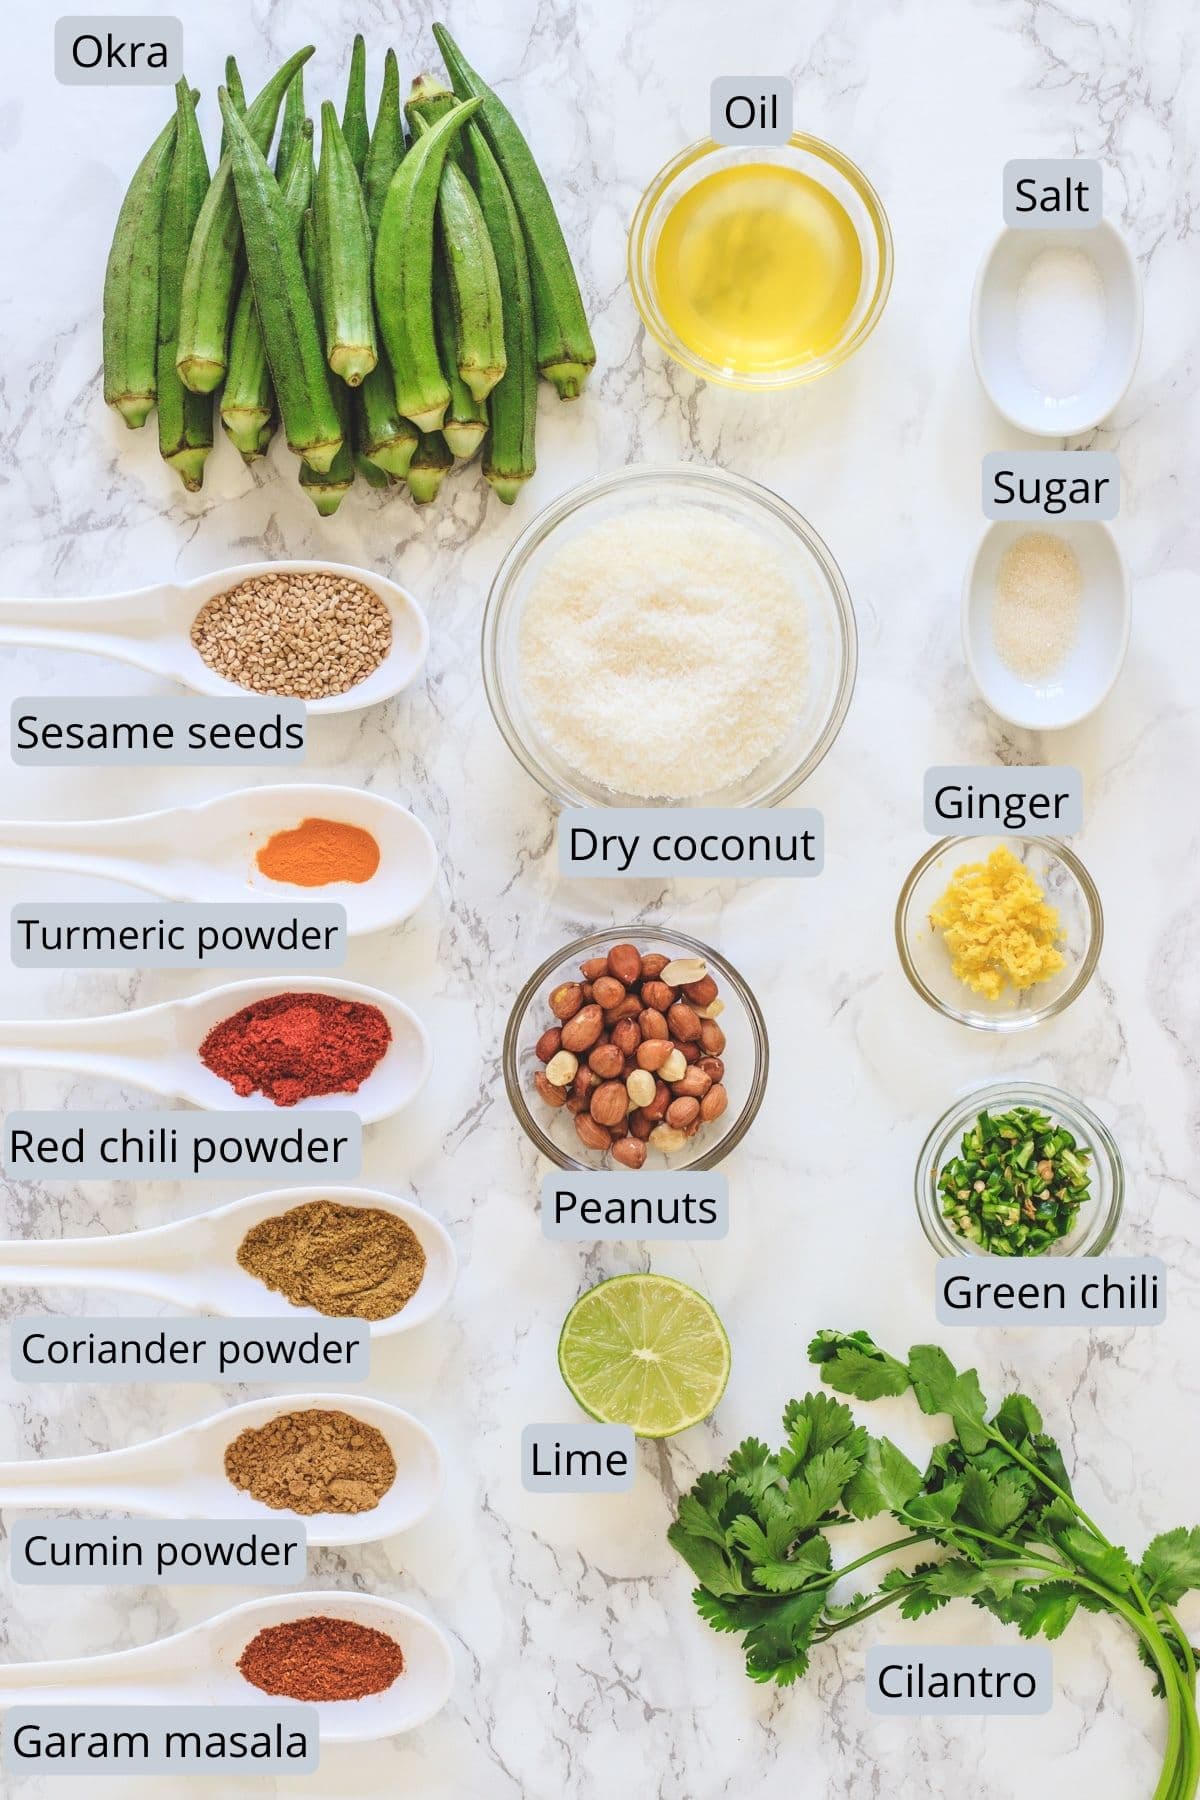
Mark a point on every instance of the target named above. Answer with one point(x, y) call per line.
point(248, 399)
point(237, 93)
point(370, 471)
point(185, 420)
point(381, 436)
point(564, 349)
point(131, 286)
point(214, 267)
point(476, 346)
point(343, 258)
point(292, 124)
point(404, 274)
point(285, 309)
point(326, 488)
point(428, 468)
point(508, 453)
point(465, 425)
point(355, 129)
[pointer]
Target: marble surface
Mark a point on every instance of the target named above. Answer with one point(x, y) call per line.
point(582, 1670)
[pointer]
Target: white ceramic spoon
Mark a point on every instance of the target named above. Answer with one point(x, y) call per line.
point(193, 1262)
point(151, 628)
point(198, 1667)
point(209, 849)
point(181, 1475)
point(157, 1048)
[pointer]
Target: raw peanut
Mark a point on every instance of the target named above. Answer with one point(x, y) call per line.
point(610, 1103)
point(640, 1126)
point(606, 1061)
point(586, 992)
point(629, 1008)
point(583, 1084)
point(607, 991)
point(675, 1066)
point(548, 1045)
point(658, 995)
point(712, 1038)
point(641, 1087)
point(685, 1023)
point(689, 1131)
point(652, 1024)
point(625, 962)
point(561, 1069)
point(664, 1138)
point(714, 1103)
point(627, 1035)
point(631, 1064)
point(575, 1104)
point(653, 1053)
point(589, 1133)
point(657, 1108)
point(583, 1028)
point(713, 1010)
point(630, 1151)
point(702, 992)
point(681, 1112)
point(653, 964)
point(566, 999)
point(695, 1082)
point(553, 1096)
point(689, 1052)
point(594, 967)
point(713, 1067)
point(684, 970)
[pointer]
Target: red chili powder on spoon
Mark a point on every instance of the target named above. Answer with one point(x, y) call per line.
point(295, 1046)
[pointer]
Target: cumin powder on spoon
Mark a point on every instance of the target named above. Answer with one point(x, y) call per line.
point(314, 1461)
point(348, 1262)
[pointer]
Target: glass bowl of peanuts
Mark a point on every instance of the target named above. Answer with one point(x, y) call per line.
point(635, 1048)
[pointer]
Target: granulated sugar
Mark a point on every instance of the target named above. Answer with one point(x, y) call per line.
point(1035, 614)
point(663, 653)
point(1062, 321)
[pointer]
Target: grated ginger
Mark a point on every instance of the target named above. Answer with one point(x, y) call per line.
point(998, 927)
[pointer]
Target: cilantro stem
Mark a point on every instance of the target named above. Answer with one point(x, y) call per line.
point(864, 1612)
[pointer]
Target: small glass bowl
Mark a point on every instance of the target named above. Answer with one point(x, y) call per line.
point(832, 635)
point(745, 1055)
point(822, 164)
point(924, 958)
point(1098, 1217)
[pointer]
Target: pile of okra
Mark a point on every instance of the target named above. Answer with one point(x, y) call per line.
point(389, 304)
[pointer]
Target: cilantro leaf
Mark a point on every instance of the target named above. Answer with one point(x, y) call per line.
point(814, 1424)
point(917, 1598)
point(1018, 1419)
point(993, 1503)
point(724, 1614)
point(853, 1364)
point(753, 1468)
point(818, 1489)
point(1047, 1609)
point(1171, 1565)
point(709, 1562)
point(941, 1389)
point(777, 1645)
point(885, 1482)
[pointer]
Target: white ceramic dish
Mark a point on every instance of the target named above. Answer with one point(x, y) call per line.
point(198, 1667)
point(193, 1263)
point(157, 1048)
point(181, 1475)
point(1094, 662)
point(151, 628)
point(209, 849)
point(994, 330)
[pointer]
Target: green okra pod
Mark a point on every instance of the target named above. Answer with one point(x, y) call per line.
point(381, 435)
point(185, 420)
point(131, 286)
point(429, 467)
point(292, 124)
point(508, 453)
point(237, 93)
point(355, 129)
point(285, 309)
point(343, 258)
point(214, 264)
point(326, 488)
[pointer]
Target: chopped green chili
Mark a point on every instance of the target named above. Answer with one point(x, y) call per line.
point(1017, 1185)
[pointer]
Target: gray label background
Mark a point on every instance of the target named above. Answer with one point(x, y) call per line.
point(190, 1128)
point(126, 28)
point(1023, 781)
point(639, 826)
point(755, 87)
point(175, 712)
point(150, 1534)
point(1073, 1274)
point(191, 919)
point(604, 1438)
point(626, 1185)
point(157, 1721)
point(1052, 465)
point(354, 1364)
point(1055, 170)
point(958, 1659)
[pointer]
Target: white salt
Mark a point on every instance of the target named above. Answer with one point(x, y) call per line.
point(1062, 322)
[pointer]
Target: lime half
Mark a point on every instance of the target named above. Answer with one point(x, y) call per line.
point(646, 1351)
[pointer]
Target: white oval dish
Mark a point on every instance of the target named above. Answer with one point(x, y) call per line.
point(994, 330)
point(1094, 662)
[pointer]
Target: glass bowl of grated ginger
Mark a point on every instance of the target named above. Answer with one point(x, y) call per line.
point(999, 933)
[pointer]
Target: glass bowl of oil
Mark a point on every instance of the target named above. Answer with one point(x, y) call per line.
point(760, 266)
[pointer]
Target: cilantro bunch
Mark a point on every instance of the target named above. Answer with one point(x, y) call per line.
point(995, 1499)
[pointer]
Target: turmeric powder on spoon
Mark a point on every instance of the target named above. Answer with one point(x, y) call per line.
point(318, 852)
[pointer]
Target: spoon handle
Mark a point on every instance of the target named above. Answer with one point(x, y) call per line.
point(106, 1263)
point(126, 626)
point(89, 1046)
point(122, 1479)
point(116, 848)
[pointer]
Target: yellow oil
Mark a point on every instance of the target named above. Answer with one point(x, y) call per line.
point(758, 269)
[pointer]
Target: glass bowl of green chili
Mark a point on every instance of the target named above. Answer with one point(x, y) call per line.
point(1019, 1169)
